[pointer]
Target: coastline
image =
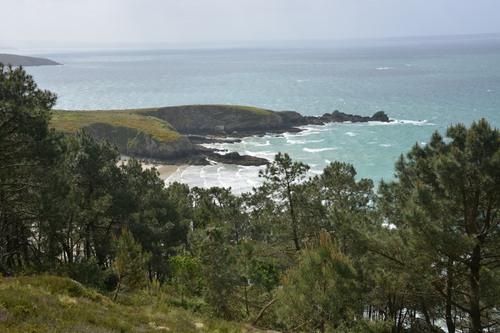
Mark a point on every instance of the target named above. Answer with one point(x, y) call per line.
point(164, 170)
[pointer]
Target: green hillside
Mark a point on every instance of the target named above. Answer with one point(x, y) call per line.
point(70, 121)
point(55, 304)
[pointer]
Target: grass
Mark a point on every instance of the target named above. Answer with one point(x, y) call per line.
point(35, 304)
point(251, 109)
point(71, 121)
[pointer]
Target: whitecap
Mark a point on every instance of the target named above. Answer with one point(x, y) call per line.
point(267, 154)
point(316, 172)
point(412, 122)
point(393, 122)
point(317, 150)
point(383, 68)
point(212, 162)
point(351, 133)
point(267, 143)
point(302, 142)
point(385, 145)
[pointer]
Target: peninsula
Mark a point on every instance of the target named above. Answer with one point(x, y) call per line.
point(19, 60)
point(175, 135)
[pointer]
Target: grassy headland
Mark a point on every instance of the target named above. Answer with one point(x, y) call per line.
point(71, 121)
point(163, 133)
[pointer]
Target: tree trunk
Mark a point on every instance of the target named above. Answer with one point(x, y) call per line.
point(261, 313)
point(475, 309)
point(294, 219)
point(450, 322)
point(118, 289)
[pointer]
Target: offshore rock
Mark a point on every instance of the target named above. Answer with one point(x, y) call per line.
point(340, 117)
point(231, 158)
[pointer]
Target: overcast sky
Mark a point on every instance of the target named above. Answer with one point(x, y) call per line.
point(192, 21)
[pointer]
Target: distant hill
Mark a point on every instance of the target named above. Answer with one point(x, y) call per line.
point(18, 60)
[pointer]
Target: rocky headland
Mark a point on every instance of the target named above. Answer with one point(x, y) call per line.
point(177, 135)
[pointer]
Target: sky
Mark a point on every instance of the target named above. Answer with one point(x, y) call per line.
point(207, 21)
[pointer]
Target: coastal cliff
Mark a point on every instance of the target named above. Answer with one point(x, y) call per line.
point(133, 142)
point(176, 134)
point(227, 119)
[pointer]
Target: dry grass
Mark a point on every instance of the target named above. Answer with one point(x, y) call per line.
point(39, 304)
point(71, 121)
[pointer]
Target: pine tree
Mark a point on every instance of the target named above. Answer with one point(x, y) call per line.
point(321, 293)
point(446, 203)
point(283, 178)
point(130, 263)
point(25, 152)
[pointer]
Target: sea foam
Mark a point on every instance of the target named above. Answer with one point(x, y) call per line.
point(318, 150)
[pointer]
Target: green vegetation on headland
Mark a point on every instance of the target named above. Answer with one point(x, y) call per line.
point(154, 121)
point(72, 121)
point(305, 254)
point(170, 134)
point(148, 133)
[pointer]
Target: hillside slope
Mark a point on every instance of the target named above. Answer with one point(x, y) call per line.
point(134, 133)
point(39, 304)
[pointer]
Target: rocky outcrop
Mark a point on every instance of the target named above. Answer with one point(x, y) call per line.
point(135, 143)
point(341, 117)
point(131, 142)
point(232, 157)
point(18, 60)
point(227, 120)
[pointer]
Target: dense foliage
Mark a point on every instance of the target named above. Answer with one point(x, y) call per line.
point(323, 253)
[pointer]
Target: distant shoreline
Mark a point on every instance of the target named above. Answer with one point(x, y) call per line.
point(19, 60)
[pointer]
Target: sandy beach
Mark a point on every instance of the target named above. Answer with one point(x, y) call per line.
point(165, 170)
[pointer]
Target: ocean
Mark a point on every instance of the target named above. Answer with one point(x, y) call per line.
point(423, 84)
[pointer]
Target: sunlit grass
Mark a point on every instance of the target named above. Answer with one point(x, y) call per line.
point(55, 304)
point(142, 120)
point(251, 109)
point(71, 121)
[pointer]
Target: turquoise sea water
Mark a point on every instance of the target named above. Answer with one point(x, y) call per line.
point(423, 84)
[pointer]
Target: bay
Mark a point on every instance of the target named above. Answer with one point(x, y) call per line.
point(423, 84)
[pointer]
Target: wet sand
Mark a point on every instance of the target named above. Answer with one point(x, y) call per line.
point(166, 170)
